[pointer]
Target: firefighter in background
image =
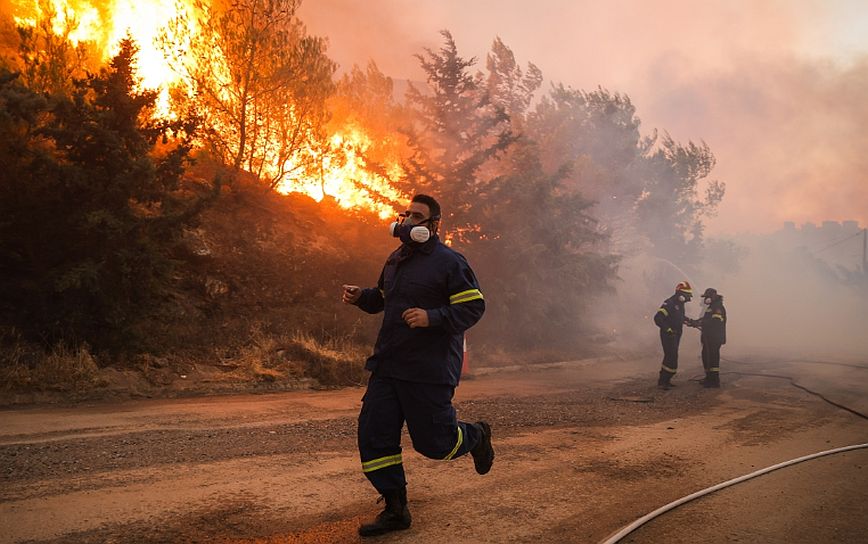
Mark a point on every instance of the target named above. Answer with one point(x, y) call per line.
point(713, 335)
point(671, 319)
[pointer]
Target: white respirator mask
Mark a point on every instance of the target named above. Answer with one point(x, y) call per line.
point(410, 233)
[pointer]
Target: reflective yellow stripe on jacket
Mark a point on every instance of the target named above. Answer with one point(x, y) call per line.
point(465, 296)
point(664, 311)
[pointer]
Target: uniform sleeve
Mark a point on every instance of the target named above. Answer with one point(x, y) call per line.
point(722, 317)
point(466, 303)
point(662, 318)
point(371, 300)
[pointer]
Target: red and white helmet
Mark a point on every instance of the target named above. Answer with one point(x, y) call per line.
point(684, 287)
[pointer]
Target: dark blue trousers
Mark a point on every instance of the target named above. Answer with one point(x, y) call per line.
point(434, 429)
point(670, 356)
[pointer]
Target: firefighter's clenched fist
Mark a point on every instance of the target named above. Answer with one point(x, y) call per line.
point(415, 317)
point(351, 294)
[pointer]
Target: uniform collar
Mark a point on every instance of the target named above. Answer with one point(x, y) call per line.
point(425, 248)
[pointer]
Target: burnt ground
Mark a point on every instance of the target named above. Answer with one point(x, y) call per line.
point(583, 448)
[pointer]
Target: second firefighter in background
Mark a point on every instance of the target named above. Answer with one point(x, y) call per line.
point(712, 322)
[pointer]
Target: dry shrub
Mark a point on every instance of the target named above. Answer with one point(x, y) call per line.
point(275, 357)
point(262, 359)
point(332, 362)
point(63, 368)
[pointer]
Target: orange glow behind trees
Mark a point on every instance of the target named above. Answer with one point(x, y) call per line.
point(260, 83)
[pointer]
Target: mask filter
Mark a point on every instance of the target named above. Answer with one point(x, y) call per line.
point(409, 233)
point(420, 234)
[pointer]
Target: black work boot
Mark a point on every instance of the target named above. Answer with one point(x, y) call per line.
point(395, 517)
point(712, 379)
point(664, 381)
point(483, 452)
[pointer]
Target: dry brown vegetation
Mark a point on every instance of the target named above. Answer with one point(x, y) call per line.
point(254, 302)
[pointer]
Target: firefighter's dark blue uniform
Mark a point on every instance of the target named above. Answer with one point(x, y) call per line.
point(414, 371)
point(713, 325)
point(670, 319)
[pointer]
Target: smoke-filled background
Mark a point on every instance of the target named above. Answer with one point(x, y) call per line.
point(776, 89)
point(588, 156)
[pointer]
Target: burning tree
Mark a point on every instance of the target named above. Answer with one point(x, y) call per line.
point(258, 80)
point(47, 59)
point(369, 151)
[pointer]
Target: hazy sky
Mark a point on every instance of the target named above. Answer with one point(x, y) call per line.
point(777, 88)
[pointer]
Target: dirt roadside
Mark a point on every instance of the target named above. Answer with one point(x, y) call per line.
point(582, 449)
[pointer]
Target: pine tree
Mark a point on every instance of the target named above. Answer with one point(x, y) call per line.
point(91, 205)
point(456, 131)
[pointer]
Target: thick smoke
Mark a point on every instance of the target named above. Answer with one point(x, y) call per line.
point(797, 293)
point(789, 137)
point(775, 88)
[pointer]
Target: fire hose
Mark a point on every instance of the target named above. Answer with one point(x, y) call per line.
point(802, 387)
point(674, 504)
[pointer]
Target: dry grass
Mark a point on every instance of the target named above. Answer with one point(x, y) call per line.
point(289, 359)
point(336, 361)
point(63, 368)
point(274, 357)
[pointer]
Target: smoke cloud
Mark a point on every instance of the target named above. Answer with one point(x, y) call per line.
point(775, 88)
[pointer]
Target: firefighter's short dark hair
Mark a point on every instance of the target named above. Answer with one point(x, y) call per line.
point(433, 205)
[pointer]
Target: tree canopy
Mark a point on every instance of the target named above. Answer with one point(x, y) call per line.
point(91, 204)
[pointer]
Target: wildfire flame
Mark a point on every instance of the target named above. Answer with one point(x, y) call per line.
point(343, 175)
point(348, 180)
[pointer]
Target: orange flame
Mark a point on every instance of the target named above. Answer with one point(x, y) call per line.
point(342, 174)
point(347, 180)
